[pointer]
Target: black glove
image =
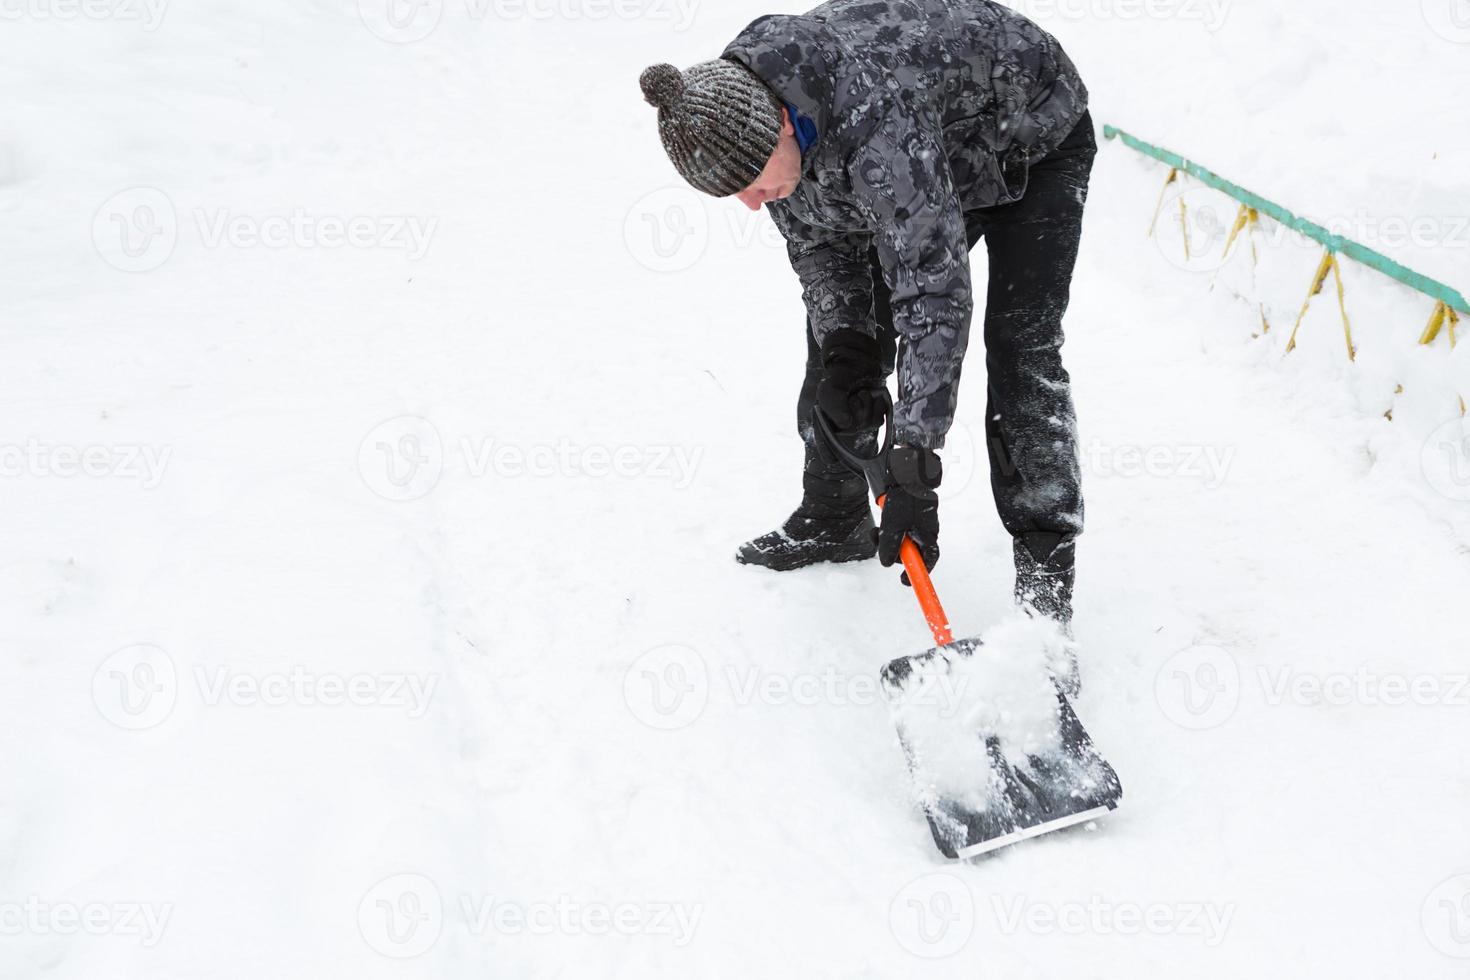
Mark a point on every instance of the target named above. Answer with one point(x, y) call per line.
point(911, 507)
point(851, 392)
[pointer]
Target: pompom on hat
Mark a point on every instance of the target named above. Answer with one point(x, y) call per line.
point(719, 122)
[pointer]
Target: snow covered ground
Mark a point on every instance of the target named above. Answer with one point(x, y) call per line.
point(380, 418)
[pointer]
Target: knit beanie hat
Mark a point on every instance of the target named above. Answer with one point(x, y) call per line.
point(718, 121)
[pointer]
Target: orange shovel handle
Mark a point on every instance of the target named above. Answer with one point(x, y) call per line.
point(913, 563)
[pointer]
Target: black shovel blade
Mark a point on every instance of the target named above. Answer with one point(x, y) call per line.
point(993, 768)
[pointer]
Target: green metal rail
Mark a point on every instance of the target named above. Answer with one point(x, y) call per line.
point(1333, 243)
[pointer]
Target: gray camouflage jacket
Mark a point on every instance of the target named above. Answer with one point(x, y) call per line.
point(924, 109)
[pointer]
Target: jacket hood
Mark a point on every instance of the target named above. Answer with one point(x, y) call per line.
point(793, 55)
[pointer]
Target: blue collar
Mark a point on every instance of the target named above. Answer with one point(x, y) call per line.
point(806, 130)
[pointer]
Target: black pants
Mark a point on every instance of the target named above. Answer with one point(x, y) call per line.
point(1030, 424)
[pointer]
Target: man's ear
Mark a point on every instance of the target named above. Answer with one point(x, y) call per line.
point(788, 128)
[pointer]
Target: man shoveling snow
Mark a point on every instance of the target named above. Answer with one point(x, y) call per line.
point(885, 139)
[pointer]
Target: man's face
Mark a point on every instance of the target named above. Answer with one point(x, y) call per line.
point(782, 173)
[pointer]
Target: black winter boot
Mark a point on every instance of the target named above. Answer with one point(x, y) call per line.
point(1046, 569)
point(833, 524)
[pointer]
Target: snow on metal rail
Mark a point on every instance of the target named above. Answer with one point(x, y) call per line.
point(1448, 302)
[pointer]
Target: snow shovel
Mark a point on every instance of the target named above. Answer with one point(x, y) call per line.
point(995, 750)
